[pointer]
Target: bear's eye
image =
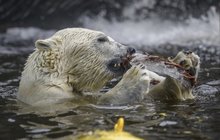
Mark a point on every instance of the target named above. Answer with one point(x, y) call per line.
point(102, 39)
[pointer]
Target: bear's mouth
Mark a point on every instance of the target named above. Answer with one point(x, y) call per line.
point(121, 64)
point(118, 67)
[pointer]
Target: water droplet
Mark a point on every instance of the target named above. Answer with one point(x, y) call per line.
point(165, 123)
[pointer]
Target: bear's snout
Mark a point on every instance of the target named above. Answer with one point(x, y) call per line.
point(131, 51)
point(121, 64)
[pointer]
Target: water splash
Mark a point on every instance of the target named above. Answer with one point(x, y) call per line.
point(156, 31)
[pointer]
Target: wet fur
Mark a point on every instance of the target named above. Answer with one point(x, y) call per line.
point(70, 62)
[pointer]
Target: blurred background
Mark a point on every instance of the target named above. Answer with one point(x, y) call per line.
point(138, 22)
point(161, 27)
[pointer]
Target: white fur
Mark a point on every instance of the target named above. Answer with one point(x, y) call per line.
point(62, 66)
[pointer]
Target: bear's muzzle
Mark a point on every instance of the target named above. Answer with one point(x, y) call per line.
point(121, 64)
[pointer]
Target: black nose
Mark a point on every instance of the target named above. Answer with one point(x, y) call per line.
point(131, 50)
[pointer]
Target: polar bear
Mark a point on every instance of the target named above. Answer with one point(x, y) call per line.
point(73, 61)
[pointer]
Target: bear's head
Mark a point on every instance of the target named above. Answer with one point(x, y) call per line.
point(72, 60)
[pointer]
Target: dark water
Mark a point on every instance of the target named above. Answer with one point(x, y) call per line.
point(196, 119)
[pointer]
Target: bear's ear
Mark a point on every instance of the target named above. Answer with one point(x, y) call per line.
point(47, 44)
point(43, 44)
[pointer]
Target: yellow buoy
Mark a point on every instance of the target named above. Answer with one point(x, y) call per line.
point(119, 126)
point(117, 134)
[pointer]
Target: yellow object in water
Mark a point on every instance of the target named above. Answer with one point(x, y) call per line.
point(117, 134)
point(119, 125)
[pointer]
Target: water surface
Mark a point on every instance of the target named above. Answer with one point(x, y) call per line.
point(194, 119)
